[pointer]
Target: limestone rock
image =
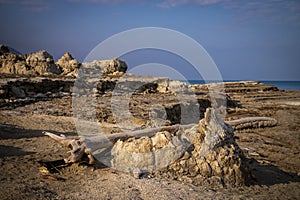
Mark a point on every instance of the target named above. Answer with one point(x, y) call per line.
point(214, 155)
point(177, 87)
point(205, 152)
point(215, 131)
point(39, 63)
point(68, 64)
point(114, 66)
point(42, 63)
point(147, 154)
point(11, 63)
point(110, 68)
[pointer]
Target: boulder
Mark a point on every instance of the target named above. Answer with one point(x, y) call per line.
point(11, 63)
point(107, 68)
point(68, 65)
point(39, 63)
point(206, 152)
point(42, 63)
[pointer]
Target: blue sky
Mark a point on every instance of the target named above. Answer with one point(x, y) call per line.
point(248, 40)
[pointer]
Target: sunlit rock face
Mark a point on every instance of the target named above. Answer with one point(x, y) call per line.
point(205, 153)
point(68, 65)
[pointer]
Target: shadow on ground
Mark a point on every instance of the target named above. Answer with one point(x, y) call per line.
point(267, 174)
point(262, 174)
point(6, 151)
point(8, 131)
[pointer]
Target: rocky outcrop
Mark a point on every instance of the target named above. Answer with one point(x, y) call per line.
point(207, 152)
point(68, 65)
point(42, 63)
point(236, 88)
point(39, 63)
point(14, 64)
point(105, 68)
point(35, 87)
point(3, 49)
point(11, 63)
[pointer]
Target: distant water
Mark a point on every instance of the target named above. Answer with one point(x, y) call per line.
point(284, 85)
point(281, 85)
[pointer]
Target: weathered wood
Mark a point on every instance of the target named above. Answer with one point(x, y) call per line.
point(252, 122)
point(149, 132)
point(77, 146)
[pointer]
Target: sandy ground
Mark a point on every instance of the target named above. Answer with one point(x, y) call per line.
point(274, 157)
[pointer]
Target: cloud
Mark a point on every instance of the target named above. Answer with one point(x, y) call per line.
point(174, 3)
point(271, 11)
point(29, 5)
point(103, 1)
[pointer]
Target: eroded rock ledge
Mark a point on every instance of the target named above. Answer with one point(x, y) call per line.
point(206, 152)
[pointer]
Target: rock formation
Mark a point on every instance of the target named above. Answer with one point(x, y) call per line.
point(42, 63)
point(68, 64)
point(206, 152)
point(198, 154)
point(39, 63)
point(106, 68)
point(11, 63)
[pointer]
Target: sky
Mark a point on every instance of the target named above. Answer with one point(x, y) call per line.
point(247, 40)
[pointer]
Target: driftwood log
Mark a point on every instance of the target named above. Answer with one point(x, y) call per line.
point(252, 122)
point(79, 146)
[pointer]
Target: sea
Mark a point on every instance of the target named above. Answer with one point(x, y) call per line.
point(281, 85)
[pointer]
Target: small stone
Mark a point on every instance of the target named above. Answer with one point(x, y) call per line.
point(17, 92)
point(137, 173)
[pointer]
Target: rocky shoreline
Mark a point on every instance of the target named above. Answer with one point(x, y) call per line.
point(258, 158)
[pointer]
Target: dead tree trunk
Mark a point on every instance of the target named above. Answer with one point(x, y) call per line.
point(82, 146)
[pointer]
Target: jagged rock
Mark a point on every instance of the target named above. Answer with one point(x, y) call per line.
point(207, 151)
point(3, 49)
point(214, 130)
point(99, 76)
point(42, 63)
point(11, 63)
point(68, 64)
point(6, 49)
point(110, 68)
point(213, 153)
point(147, 154)
point(115, 67)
